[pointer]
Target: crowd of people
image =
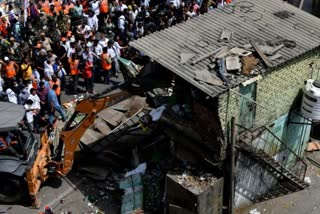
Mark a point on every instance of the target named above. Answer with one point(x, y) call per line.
point(50, 41)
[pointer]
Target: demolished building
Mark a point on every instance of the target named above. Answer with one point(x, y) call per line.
point(250, 61)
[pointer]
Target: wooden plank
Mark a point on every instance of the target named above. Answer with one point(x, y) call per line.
point(102, 126)
point(207, 55)
point(313, 146)
point(111, 116)
point(264, 58)
point(91, 136)
point(137, 104)
point(174, 209)
point(123, 105)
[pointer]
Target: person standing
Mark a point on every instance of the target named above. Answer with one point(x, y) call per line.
point(60, 72)
point(26, 70)
point(56, 81)
point(10, 69)
point(42, 92)
point(106, 64)
point(74, 71)
point(54, 105)
point(87, 75)
point(114, 53)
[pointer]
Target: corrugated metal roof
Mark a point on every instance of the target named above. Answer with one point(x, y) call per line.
point(248, 19)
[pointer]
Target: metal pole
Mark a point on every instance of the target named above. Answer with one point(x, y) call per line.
point(232, 161)
point(301, 4)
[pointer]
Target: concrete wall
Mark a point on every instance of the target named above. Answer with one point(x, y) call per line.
point(276, 94)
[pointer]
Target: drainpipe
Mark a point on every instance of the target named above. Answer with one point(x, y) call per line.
point(232, 168)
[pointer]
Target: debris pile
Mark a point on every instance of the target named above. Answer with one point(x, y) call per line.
point(196, 184)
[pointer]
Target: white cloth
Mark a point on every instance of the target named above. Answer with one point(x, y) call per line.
point(29, 114)
point(121, 23)
point(61, 72)
point(95, 7)
point(48, 70)
point(117, 47)
point(112, 53)
point(84, 30)
point(11, 96)
point(1, 84)
point(70, 52)
point(103, 42)
point(140, 31)
point(156, 113)
point(93, 22)
point(36, 101)
point(133, 15)
point(122, 7)
point(97, 50)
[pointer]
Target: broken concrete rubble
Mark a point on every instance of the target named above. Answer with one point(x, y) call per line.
point(193, 193)
point(206, 77)
point(226, 35)
point(233, 63)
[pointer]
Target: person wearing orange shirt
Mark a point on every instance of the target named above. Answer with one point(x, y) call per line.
point(106, 64)
point(74, 71)
point(45, 7)
point(56, 81)
point(104, 9)
point(57, 6)
point(4, 25)
point(10, 69)
point(87, 76)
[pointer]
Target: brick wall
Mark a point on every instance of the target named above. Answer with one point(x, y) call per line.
point(276, 91)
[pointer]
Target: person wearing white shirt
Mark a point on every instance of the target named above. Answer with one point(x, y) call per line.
point(12, 96)
point(121, 23)
point(97, 49)
point(114, 53)
point(92, 20)
point(84, 30)
point(35, 99)
point(71, 50)
point(133, 12)
point(1, 84)
point(2, 93)
point(121, 6)
point(87, 54)
point(48, 69)
point(95, 7)
point(103, 40)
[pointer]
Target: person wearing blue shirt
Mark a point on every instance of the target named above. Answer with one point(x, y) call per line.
point(54, 105)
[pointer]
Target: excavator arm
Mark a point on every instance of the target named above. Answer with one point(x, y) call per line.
point(88, 109)
point(44, 166)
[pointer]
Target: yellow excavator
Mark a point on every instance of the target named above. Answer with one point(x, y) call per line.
point(27, 160)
